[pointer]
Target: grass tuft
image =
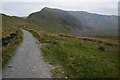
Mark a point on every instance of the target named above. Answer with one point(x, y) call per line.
point(102, 48)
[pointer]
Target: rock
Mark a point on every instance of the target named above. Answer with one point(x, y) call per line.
point(10, 66)
point(29, 61)
point(18, 67)
point(62, 72)
point(5, 77)
point(19, 73)
point(11, 70)
point(66, 77)
point(1, 60)
point(33, 70)
point(53, 68)
point(35, 67)
point(50, 66)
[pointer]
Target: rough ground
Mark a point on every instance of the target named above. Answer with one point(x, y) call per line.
point(27, 61)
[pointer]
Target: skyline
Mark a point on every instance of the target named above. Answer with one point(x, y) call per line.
point(25, 8)
point(60, 1)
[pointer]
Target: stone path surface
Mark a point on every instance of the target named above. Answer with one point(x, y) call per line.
point(27, 62)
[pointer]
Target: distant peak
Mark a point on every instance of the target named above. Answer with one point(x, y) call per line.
point(46, 8)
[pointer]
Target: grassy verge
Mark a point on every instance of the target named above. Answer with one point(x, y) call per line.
point(82, 59)
point(78, 58)
point(7, 51)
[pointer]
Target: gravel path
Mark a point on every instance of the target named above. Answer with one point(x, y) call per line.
point(27, 61)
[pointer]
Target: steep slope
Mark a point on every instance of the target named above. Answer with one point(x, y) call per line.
point(74, 22)
point(101, 24)
point(55, 20)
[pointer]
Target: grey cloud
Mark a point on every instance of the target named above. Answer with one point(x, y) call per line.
point(25, 8)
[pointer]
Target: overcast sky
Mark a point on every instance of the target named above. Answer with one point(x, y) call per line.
point(25, 7)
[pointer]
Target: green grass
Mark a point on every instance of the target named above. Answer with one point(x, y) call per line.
point(107, 37)
point(10, 24)
point(51, 21)
point(83, 59)
point(7, 51)
point(78, 58)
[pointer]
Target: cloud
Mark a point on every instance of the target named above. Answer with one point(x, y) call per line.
point(25, 8)
point(60, 0)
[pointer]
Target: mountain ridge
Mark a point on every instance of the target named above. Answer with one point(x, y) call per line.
point(77, 22)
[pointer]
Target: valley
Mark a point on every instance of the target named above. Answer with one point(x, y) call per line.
point(77, 44)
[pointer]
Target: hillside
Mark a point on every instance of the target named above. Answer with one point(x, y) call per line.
point(74, 22)
point(55, 20)
point(73, 57)
point(100, 24)
point(10, 24)
point(78, 23)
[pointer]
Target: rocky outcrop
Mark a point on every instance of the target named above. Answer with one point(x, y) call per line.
point(9, 39)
